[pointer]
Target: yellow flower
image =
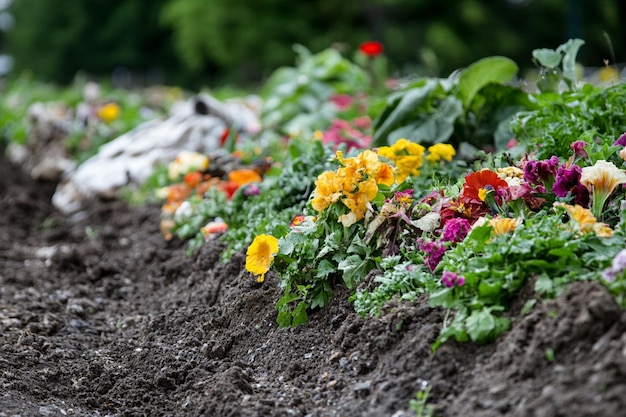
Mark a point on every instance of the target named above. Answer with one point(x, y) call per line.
point(260, 255)
point(608, 74)
point(357, 202)
point(406, 155)
point(601, 179)
point(109, 112)
point(510, 172)
point(355, 183)
point(502, 225)
point(385, 174)
point(328, 190)
point(586, 220)
point(440, 151)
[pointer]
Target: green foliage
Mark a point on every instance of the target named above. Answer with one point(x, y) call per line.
point(590, 114)
point(199, 42)
point(474, 106)
point(57, 40)
point(419, 404)
point(557, 65)
point(494, 269)
point(297, 99)
point(398, 278)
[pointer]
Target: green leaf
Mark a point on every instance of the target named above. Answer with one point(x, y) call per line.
point(284, 318)
point(482, 326)
point(354, 269)
point(299, 314)
point(438, 126)
point(325, 268)
point(489, 290)
point(544, 284)
point(570, 48)
point(399, 107)
point(442, 298)
point(548, 58)
point(496, 69)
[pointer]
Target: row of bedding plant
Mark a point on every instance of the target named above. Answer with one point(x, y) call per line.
point(460, 189)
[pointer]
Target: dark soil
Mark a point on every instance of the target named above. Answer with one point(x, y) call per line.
point(100, 316)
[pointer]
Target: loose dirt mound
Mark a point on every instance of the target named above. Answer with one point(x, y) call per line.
point(100, 316)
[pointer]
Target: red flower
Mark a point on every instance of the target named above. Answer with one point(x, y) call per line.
point(371, 48)
point(478, 184)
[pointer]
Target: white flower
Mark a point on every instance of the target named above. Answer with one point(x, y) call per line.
point(602, 177)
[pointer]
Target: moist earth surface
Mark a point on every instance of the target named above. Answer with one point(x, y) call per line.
point(100, 316)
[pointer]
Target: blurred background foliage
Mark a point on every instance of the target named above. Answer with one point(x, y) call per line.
point(199, 43)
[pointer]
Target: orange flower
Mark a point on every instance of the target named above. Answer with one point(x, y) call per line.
point(502, 225)
point(244, 176)
point(587, 222)
point(192, 179)
point(211, 228)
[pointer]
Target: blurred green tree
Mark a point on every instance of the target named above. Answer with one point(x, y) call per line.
point(57, 39)
point(199, 42)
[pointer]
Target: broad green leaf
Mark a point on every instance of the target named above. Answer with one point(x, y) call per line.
point(354, 269)
point(433, 128)
point(495, 69)
point(544, 284)
point(442, 298)
point(408, 102)
point(548, 58)
point(570, 48)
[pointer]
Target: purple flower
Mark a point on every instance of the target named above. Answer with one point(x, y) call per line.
point(456, 229)
point(541, 173)
point(567, 180)
point(579, 148)
point(450, 279)
point(621, 141)
point(433, 252)
point(251, 189)
point(618, 265)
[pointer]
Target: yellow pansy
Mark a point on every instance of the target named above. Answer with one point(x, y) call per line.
point(407, 157)
point(440, 151)
point(328, 190)
point(586, 220)
point(260, 255)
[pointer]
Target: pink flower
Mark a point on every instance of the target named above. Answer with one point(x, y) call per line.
point(450, 279)
point(579, 148)
point(433, 253)
point(511, 143)
point(363, 122)
point(342, 101)
point(621, 141)
point(568, 181)
point(456, 229)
